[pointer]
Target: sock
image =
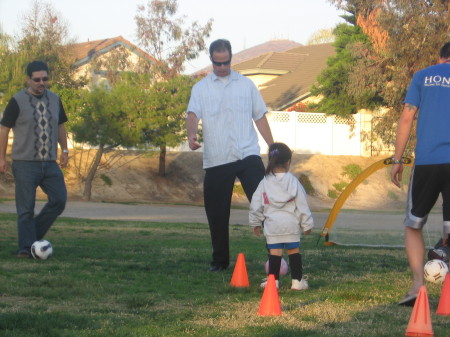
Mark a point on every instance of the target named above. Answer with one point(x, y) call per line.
point(274, 266)
point(295, 262)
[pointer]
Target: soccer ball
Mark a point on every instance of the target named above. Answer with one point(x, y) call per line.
point(435, 271)
point(283, 267)
point(41, 250)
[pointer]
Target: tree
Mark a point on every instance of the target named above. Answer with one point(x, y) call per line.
point(44, 36)
point(106, 119)
point(334, 80)
point(405, 36)
point(165, 37)
point(322, 36)
point(166, 125)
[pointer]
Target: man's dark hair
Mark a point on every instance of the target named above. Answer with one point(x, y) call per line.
point(36, 65)
point(220, 45)
point(445, 51)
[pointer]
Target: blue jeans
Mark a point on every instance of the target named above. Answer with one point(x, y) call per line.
point(28, 176)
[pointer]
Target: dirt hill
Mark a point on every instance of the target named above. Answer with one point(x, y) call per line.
point(136, 180)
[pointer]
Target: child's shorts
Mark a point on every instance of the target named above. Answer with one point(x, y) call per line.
point(285, 245)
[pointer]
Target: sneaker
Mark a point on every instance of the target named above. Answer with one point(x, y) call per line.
point(439, 252)
point(263, 285)
point(300, 285)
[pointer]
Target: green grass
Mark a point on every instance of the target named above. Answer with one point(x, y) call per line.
point(119, 278)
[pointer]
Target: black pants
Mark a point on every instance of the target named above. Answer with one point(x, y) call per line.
point(217, 191)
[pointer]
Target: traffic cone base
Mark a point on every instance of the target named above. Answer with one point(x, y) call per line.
point(240, 276)
point(420, 321)
point(270, 302)
point(444, 302)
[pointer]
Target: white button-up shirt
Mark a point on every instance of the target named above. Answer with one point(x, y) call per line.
point(227, 110)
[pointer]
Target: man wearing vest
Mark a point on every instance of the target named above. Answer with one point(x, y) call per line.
point(36, 116)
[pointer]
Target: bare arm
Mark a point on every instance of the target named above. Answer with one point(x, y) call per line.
point(4, 133)
point(264, 129)
point(62, 140)
point(403, 133)
point(192, 128)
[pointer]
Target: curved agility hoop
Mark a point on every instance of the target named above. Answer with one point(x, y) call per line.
point(350, 188)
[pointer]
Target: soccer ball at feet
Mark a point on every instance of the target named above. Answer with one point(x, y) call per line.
point(435, 271)
point(283, 267)
point(42, 250)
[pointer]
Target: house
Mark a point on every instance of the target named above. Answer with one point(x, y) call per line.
point(117, 49)
point(285, 78)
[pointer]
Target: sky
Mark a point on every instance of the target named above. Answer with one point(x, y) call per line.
point(245, 23)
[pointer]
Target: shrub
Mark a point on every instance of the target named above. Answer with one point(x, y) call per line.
point(306, 183)
point(107, 180)
point(351, 171)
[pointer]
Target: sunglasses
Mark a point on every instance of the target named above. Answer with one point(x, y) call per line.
point(39, 79)
point(218, 64)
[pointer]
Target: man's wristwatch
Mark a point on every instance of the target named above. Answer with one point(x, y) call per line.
point(65, 151)
point(395, 161)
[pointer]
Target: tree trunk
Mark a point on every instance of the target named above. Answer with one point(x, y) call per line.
point(162, 160)
point(91, 174)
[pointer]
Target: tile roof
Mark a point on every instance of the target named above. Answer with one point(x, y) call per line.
point(86, 50)
point(297, 70)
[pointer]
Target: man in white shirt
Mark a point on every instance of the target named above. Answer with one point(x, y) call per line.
point(227, 103)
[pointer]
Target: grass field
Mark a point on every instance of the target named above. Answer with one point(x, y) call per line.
point(130, 279)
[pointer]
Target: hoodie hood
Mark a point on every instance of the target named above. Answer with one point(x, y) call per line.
point(285, 187)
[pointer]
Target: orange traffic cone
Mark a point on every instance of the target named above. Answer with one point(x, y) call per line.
point(444, 303)
point(240, 276)
point(270, 302)
point(420, 321)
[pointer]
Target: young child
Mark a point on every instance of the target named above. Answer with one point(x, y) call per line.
point(279, 203)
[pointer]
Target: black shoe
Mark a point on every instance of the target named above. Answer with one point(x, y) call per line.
point(408, 300)
point(215, 268)
point(439, 252)
point(24, 254)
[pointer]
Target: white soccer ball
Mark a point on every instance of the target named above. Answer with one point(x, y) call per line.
point(435, 271)
point(42, 250)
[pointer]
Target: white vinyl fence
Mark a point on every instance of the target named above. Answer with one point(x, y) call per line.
point(319, 133)
point(316, 133)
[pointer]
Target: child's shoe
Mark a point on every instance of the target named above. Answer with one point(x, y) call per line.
point(300, 285)
point(263, 285)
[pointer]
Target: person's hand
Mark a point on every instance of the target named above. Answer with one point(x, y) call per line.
point(307, 232)
point(3, 166)
point(193, 144)
point(63, 159)
point(257, 231)
point(396, 174)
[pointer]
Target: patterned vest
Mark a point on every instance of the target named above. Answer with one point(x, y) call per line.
point(36, 128)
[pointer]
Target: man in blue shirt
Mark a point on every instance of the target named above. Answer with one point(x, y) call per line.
point(429, 97)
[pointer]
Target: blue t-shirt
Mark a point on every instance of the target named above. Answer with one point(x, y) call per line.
point(430, 92)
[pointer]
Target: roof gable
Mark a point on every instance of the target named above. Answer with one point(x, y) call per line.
point(85, 51)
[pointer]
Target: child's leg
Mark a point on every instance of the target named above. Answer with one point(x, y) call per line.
point(295, 262)
point(275, 262)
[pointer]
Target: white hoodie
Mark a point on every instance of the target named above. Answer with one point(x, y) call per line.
point(280, 204)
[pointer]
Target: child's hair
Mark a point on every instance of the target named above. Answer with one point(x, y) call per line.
point(279, 155)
